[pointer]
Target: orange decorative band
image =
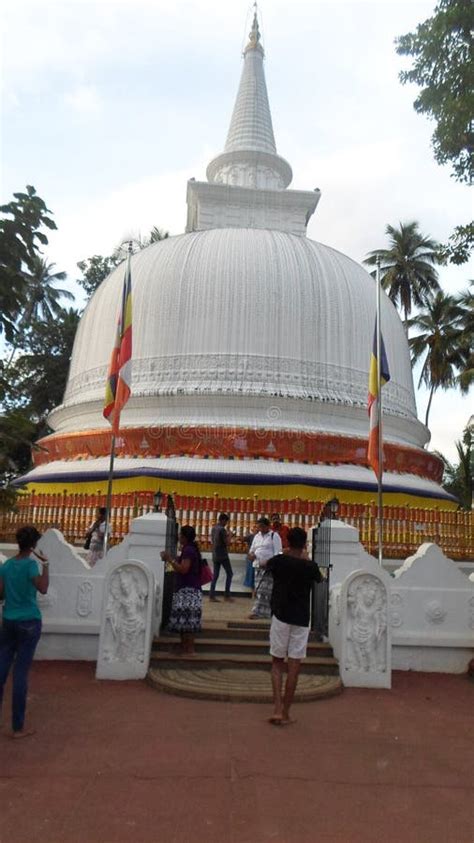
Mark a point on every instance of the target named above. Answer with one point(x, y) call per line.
point(236, 443)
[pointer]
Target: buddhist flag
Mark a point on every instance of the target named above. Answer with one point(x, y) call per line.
point(373, 401)
point(119, 377)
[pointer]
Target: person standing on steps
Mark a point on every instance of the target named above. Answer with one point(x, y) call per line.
point(186, 608)
point(220, 538)
point(266, 544)
point(20, 580)
point(293, 575)
point(281, 529)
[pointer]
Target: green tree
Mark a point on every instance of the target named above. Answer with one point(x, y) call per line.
point(458, 477)
point(407, 267)
point(466, 340)
point(438, 343)
point(42, 294)
point(459, 246)
point(94, 271)
point(39, 374)
point(21, 237)
point(156, 234)
point(443, 67)
point(17, 433)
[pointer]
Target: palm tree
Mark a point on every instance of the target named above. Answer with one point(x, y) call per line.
point(43, 296)
point(439, 342)
point(458, 477)
point(466, 341)
point(407, 267)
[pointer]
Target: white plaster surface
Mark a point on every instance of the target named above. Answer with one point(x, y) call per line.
point(365, 651)
point(431, 605)
point(127, 621)
point(432, 611)
point(71, 608)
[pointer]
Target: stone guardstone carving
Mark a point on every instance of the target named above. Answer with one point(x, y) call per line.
point(396, 611)
point(126, 625)
point(434, 612)
point(84, 599)
point(366, 644)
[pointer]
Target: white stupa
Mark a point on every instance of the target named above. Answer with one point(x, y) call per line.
point(251, 347)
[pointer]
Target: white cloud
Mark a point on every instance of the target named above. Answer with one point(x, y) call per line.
point(84, 101)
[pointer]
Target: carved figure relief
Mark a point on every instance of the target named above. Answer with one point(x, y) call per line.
point(49, 599)
point(367, 625)
point(84, 599)
point(126, 615)
point(471, 612)
point(434, 612)
point(396, 609)
point(335, 604)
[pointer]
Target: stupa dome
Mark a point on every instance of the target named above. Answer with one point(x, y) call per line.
point(251, 348)
point(270, 324)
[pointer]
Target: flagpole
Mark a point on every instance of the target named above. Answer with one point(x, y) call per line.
point(115, 424)
point(379, 421)
point(109, 495)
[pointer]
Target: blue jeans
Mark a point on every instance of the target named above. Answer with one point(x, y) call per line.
point(18, 640)
point(229, 574)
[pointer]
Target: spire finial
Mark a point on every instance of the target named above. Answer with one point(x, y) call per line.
point(254, 34)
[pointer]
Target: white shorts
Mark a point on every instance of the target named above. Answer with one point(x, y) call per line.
point(288, 640)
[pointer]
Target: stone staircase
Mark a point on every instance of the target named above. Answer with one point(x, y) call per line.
point(232, 663)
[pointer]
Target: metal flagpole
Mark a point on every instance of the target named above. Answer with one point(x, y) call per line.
point(109, 494)
point(379, 422)
point(112, 445)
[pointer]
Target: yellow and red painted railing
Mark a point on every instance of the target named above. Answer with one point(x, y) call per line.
point(405, 527)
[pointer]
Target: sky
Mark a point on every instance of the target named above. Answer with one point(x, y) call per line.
point(108, 108)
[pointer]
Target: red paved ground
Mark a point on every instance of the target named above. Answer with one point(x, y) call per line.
point(120, 762)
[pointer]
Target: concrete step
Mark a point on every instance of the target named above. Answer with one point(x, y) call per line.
point(312, 664)
point(236, 685)
point(213, 644)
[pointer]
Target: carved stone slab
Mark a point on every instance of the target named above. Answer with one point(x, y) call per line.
point(126, 625)
point(365, 658)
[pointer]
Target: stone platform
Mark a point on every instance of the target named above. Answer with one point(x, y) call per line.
point(232, 661)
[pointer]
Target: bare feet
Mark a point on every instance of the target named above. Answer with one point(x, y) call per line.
point(23, 733)
point(280, 720)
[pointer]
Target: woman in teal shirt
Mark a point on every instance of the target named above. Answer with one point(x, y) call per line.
point(20, 580)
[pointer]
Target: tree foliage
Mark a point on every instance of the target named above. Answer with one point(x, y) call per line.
point(458, 477)
point(97, 268)
point(466, 338)
point(94, 271)
point(443, 67)
point(38, 376)
point(21, 237)
point(408, 266)
point(441, 326)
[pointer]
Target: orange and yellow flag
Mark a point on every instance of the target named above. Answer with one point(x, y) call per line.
point(119, 377)
point(373, 401)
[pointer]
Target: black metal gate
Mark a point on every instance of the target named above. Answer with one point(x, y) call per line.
point(171, 545)
point(321, 554)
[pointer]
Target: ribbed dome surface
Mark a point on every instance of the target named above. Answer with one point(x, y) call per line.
point(243, 312)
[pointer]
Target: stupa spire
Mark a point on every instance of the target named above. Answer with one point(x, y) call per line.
point(250, 158)
point(254, 34)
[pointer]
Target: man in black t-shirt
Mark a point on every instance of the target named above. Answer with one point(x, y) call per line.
point(293, 576)
point(220, 538)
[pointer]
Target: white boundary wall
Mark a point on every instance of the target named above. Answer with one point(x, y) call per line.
point(431, 607)
point(72, 608)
